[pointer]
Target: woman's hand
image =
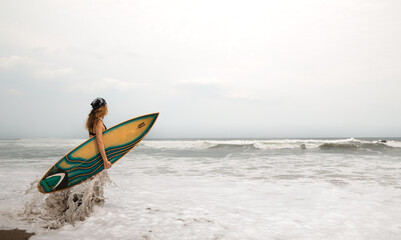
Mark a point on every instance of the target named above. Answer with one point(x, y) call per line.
point(107, 164)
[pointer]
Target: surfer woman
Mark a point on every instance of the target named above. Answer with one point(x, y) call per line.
point(95, 126)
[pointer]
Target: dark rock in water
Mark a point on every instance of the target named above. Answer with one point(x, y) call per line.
point(15, 234)
point(383, 141)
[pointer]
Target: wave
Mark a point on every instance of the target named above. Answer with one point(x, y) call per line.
point(41, 143)
point(333, 146)
point(357, 145)
point(230, 144)
point(274, 144)
point(233, 146)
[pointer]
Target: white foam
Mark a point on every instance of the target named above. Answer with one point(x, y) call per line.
point(396, 144)
point(44, 142)
point(276, 144)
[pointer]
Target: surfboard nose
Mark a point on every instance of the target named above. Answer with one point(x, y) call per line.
point(155, 114)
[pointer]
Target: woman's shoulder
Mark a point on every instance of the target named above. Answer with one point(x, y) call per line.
point(99, 122)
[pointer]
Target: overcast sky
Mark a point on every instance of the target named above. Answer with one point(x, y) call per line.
point(221, 68)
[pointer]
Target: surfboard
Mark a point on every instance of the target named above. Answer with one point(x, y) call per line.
point(85, 161)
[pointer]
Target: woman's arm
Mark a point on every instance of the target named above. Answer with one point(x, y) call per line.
point(100, 145)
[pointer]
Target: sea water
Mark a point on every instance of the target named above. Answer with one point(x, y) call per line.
point(212, 189)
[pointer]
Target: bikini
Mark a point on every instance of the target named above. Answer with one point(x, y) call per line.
point(92, 134)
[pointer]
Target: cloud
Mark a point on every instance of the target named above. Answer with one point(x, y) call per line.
point(244, 94)
point(13, 61)
point(118, 84)
point(203, 82)
point(70, 80)
point(35, 68)
point(47, 73)
point(14, 92)
point(91, 86)
point(225, 89)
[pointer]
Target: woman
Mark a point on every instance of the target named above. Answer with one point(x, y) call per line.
point(95, 126)
point(75, 204)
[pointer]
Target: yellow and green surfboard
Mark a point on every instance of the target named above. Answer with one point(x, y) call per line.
point(85, 160)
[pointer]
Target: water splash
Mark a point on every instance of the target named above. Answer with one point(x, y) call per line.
point(54, 210)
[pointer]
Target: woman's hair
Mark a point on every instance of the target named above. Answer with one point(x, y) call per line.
point(94, 116)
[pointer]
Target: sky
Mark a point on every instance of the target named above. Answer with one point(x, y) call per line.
point(212, 69)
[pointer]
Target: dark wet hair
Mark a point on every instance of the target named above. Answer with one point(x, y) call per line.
point(98, 102)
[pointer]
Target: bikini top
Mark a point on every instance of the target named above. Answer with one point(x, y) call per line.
point(94, 134)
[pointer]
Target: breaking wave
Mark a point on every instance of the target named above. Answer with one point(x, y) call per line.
point(280, 144)
point(356, 145)
point(233, 146)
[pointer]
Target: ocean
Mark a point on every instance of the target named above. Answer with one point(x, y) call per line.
point(277, 189)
